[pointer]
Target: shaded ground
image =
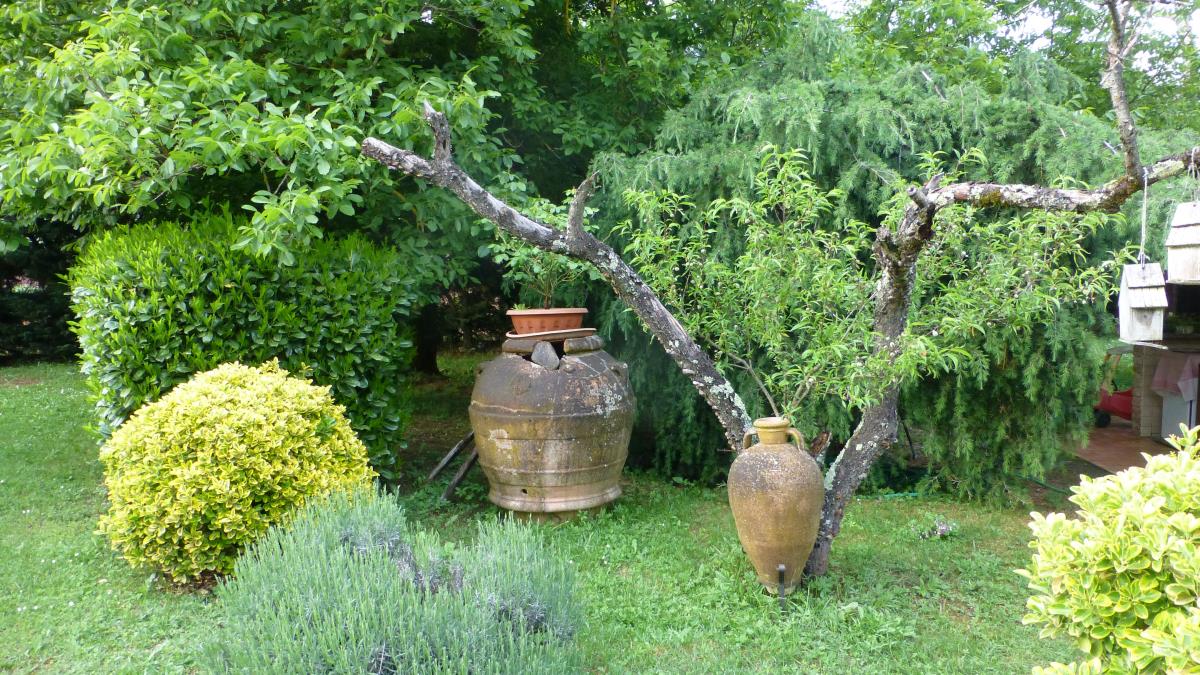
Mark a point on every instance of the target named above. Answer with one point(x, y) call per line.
point(1116, 447)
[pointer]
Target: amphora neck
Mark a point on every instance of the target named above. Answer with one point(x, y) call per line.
point(772, 430)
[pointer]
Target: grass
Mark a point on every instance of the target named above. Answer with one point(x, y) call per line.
point(663, 581)
point(69, 604)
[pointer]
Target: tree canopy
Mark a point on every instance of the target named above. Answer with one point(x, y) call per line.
point(114, 112)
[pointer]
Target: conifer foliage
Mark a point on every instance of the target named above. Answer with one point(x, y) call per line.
point(866, 124)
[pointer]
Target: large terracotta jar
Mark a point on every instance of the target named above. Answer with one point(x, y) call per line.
point(776, 493)
point(552, 422)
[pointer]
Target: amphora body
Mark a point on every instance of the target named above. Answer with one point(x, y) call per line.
point(776, 493)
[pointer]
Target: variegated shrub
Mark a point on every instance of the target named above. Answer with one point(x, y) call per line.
point(1122, 577)
point(197, 475)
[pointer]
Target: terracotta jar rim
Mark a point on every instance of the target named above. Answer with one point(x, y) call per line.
point(553, 310)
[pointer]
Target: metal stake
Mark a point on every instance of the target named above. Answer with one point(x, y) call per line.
point(782, 595)
point(450, 455)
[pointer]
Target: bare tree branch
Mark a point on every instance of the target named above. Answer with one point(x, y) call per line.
point(1108, 197)
point(576, 213)
point(748, 366)
point(695, 364)
point(1113, 79)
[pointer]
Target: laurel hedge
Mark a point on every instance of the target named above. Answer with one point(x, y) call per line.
point(160, 301)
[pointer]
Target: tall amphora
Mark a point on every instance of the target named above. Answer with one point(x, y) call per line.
point(776, 493)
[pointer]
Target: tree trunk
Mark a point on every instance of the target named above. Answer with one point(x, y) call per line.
point(430, 330)
point(897, 254)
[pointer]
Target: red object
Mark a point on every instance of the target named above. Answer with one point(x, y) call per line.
point(1119, 403)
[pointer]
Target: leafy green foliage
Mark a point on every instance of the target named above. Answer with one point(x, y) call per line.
point(794, 309)
point(349, 587)
point(1015, 302)
point(1162, 69)
point(608, 71)
point(158, 302)
point(197, 475)
point(115, 112)
point(1122, 577)
point(541, 275)
point(145, 107)
point(950, 36)
point(1009, 411)
point(987, 39)
point(674, 431)
point(788, 309)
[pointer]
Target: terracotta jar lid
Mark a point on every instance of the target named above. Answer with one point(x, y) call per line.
point(523, 346)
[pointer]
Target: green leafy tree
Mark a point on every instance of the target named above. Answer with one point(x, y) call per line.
point(1163, 72)
point(144, 108)
point(115, 111)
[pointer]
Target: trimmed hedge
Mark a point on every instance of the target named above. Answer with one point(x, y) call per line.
point(160, 301)
point(348, 587)
point(197, 475)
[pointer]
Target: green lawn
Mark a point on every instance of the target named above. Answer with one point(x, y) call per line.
point(662, 578)
point(71, 605)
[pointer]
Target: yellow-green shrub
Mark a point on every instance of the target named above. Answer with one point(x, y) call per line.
point(1123, 577)
point(195, 476)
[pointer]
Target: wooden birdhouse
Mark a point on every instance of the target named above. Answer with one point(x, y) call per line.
point(1142, 302)
point(1183, 245)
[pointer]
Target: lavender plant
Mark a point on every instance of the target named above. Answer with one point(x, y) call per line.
point(350, 587)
